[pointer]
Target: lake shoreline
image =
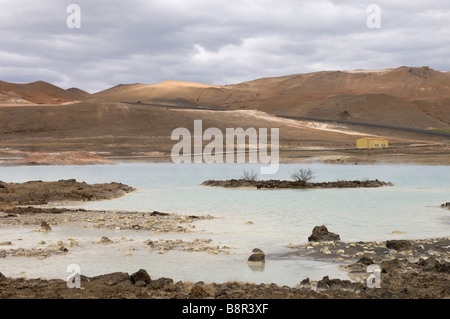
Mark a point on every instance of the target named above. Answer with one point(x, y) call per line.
point(408, 270)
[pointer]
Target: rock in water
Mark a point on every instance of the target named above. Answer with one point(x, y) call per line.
point(45, 227)
point(105, 241)
point(257, 256)
point(446, 205)
point(321, 233)
point(141, 275)
point(305, 282)
point(399, 245)
point(2, 277)
point(365, 261)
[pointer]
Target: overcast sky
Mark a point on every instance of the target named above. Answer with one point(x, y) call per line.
point(214, 41)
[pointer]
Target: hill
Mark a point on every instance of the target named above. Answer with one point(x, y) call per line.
point(409, 97)
point(319, 115)
point(38, 92)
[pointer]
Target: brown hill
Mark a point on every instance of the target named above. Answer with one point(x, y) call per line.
point(144, 131)
point(38, 92)
point(138, 119)
point(82, 95)
point(409, 97)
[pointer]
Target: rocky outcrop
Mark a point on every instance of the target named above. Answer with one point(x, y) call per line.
point(41, 193)
point(321, 233)
point(431, 264)
point(327, 283)
point(446, 205)
point(399, 245)
point(113, 279)
point(198, 290)
point(141, 275)
point(390, 266)
point(257, 256)
point(365, 261)
point(160, 283)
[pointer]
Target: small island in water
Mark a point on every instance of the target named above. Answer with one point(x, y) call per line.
point(282, 184)
point(301, 181)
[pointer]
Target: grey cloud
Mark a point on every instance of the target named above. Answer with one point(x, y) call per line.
point(219, 42)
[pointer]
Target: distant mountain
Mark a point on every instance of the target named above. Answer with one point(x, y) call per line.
point(38, 92)
point(138, 120)
point(406, 96)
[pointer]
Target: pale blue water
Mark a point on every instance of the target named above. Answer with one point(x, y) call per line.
point(279, 217)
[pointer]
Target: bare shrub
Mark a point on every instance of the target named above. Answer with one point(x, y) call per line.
point(303, 175)
point(250, 176)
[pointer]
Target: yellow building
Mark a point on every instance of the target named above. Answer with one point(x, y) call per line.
point(370, 142)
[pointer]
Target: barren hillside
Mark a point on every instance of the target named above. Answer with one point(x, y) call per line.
point(38, 92)
point(327, 112)
point(409, 97)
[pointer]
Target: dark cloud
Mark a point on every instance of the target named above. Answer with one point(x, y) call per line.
point(218, 42)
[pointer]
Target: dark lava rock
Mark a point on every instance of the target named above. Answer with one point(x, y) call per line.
point(2, 277)
point(327, 283)
point(141, 275)
point(45, 226)
point(389, 266)
point(198, 290)
point(365, 261)
point(321, 233)
point(63, 249)
point(446, 205)
point(323, 284)
point(428, 264)
point(305, 282)
point(431, 264)
point(112, 279)
point(257, 256)
point(160, 283)
point(399, 245)
point(155, 213)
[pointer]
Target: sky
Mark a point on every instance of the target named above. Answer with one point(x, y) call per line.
point(106, 43)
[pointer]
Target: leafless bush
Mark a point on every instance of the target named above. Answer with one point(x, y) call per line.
point(303, 175)
point(249, 176)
